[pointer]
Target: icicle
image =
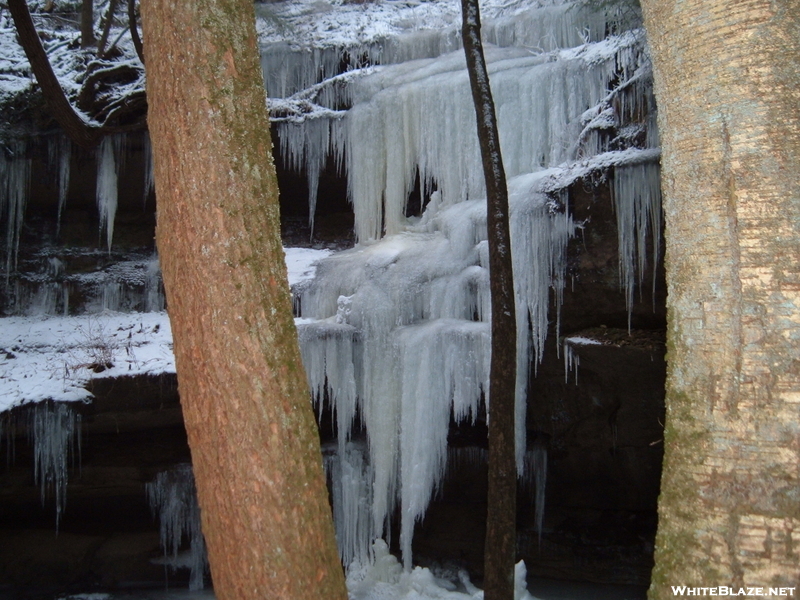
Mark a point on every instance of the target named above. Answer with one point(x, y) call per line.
point(55, 433)
point(120, 143)
point(173, 499)
point(350, 477)
point(328, 359)
point(535, 480)
point(107, 187)
point(112, 296)
point(571, 361)
point(149, 171)
point(153, 287)
point(637, 202)
point(305, 147)
point(59, 150)
point(64, 157)
point(547, 28)
point(15, 173)
point(401, 327)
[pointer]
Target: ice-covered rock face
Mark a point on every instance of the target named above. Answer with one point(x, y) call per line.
point(396, 331)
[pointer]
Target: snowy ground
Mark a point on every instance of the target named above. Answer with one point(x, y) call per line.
point(44, 358)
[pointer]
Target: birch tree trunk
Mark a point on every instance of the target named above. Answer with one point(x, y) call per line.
point(727, 75)
point(501, 513)
point(255, 448)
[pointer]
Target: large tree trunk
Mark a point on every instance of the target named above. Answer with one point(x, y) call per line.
point(727, 75)
point(501, 517)
point(255, 448)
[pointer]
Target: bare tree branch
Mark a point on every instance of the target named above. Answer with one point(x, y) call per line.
point(74, 124)
point(137, 41)
point(107, 22)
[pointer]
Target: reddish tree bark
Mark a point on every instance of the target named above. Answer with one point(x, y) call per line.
point(247, 409)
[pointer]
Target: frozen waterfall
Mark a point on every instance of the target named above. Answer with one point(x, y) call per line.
point(395, 332)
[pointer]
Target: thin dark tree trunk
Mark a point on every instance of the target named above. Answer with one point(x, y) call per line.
point(137, 41)
point(245, 399)
point(73, 124)
point(87, 24)
point(107, 22)
point(500, 549)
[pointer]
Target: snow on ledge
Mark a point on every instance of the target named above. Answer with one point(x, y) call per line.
point(582, 341)
point(53, 358)
point(45, 358)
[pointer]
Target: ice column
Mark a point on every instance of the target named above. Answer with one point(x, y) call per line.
point(106, 192)
point(444, 367)
point(173, 498)
point(350, 477)
point(60, 151)
point(535, 480)
point(15, 174)
point(149, 172)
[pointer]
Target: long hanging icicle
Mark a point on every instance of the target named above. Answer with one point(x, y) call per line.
point(535, 481)
point(60, 155)
point(106, 192)
point(15, 174)
point(64, 157)
point(149, 172)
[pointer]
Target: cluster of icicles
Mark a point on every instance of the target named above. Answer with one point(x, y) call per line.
point(395, 332)
point(124, 286)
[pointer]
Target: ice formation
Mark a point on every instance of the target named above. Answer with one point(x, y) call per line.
point(396, 331)
point(60, 154)
point(15, 173)
point(173, 499)
point(637, 203)
point(54, 430)
point(350, 480)
point(149, 171)
point(107, 187)
point(536, 481)
point(385, 579)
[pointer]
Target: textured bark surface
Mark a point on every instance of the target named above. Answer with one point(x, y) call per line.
point(501, 514)
point(251, 430)
point(727, 75)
